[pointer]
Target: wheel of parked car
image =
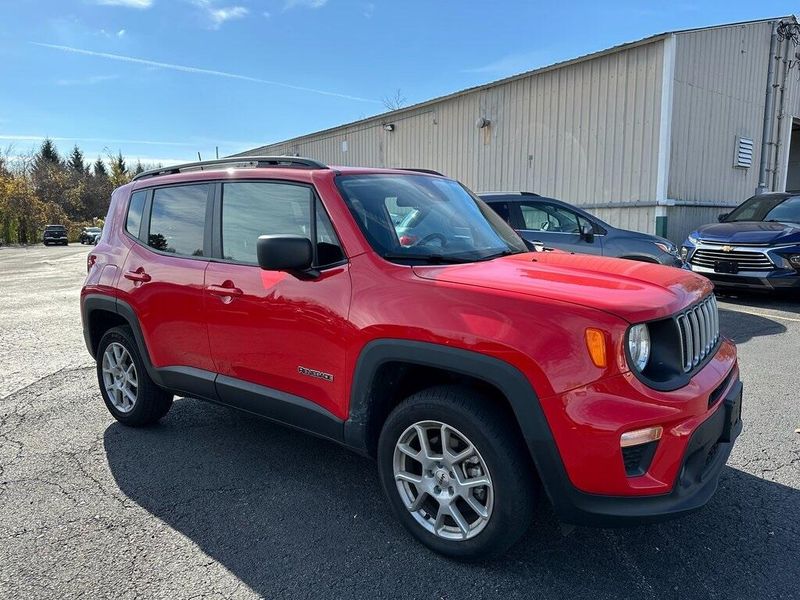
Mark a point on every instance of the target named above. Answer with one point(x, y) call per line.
point(129, 393)
point(455, 476)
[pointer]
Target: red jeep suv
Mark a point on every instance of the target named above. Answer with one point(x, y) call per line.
point(477, 372)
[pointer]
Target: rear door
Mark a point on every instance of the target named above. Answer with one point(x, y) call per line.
point(164, 273)
point(553, 225)
point(284, 334)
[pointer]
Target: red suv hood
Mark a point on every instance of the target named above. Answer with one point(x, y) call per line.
point(635, 291)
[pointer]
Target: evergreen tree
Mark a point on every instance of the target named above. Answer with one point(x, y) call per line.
point(99, 168)
point(47, 155)
point(76, 162)
point(139, 168)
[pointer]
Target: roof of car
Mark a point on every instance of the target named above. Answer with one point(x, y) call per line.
point(267, 162)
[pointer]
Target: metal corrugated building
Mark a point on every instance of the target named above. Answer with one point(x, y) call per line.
point(646, 134)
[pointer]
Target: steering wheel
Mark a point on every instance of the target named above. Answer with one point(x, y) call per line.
point(430, 237)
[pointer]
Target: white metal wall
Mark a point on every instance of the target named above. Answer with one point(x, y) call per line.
point(719, 94)
point(586, 132)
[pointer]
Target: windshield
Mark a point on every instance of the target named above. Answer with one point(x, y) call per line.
point(767, 208)
point(427, 219)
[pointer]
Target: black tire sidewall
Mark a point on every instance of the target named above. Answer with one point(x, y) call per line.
point(146, 394)
point(512, 481)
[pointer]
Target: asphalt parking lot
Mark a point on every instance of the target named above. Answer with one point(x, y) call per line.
point(211, 503)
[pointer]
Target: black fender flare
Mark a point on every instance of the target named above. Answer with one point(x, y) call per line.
point(505, 377)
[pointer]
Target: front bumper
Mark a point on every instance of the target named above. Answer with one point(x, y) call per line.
point(584, 470)
point(705, 456)
point(782, 279)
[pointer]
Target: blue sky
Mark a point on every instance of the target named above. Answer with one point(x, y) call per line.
point(161, 80)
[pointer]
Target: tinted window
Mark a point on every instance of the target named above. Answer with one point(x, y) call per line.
point(177, 220)
point(250, 210)
point(134, 219)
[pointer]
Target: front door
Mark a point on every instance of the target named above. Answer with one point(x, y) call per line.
point(274, 335)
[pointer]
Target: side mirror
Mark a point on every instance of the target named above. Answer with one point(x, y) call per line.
point(721, 218)
point(292, 253)
point(587, 232)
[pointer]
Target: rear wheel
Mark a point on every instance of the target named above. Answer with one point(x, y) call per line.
point(456, 473)
point(128, 392)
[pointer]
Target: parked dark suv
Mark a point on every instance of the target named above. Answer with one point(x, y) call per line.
point(55, 234)
point(756, 246)
point(557, 224)
point(473, 370)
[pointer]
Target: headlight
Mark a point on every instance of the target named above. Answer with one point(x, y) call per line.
point(668, 248)
point(692, 240)
point(639, 346)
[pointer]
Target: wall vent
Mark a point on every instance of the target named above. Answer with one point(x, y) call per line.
point(744, 153)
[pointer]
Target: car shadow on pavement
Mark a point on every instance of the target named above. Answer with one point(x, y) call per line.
point(293, 515)
point(741, 326)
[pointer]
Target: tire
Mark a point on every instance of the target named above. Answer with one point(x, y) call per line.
point(149, 402)
point(501, 459)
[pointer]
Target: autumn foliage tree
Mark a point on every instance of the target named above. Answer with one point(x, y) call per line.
point(45, 188)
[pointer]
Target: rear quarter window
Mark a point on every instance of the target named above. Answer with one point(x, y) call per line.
point(133, 221)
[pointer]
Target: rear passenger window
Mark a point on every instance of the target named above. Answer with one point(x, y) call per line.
point(177, 219)
point(135, 208)
point(250, 210)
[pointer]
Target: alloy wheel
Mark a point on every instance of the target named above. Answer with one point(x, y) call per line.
point(119, 377)
point(443, 480)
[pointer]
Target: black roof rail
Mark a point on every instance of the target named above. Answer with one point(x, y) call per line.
point(249, 161)
point(427, 171)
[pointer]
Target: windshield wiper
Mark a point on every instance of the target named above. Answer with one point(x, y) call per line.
point(498, 255)
point(432, 259)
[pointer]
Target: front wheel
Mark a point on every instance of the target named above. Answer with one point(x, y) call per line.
point(456, 473)
point(129, 393)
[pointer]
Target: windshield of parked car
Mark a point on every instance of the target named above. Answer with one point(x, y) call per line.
point(768, 208)
point(410, 218)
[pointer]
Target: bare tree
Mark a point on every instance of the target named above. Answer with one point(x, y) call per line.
point(395, 101)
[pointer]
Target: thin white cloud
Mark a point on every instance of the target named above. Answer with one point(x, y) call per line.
point(217, 15)
point(91, 80)
point(368, 10)
point(128, 3)
point(121, 33)
point(191, 143)
point(511, 64)
point(39, 138)
point(304, 4)
point(200, 71)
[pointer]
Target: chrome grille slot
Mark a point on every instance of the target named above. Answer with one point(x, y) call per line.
point(745, 260)
point(698, 328)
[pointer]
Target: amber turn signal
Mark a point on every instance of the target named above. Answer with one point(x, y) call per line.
point(641, 436)
point(596, 344)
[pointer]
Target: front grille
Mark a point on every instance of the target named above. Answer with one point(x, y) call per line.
point(744, 261)
point(698, 327)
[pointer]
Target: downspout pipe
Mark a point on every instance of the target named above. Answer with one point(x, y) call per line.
point(769, 113)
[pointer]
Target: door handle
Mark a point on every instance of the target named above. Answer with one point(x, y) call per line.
point(227, 289)
point(137, 276)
